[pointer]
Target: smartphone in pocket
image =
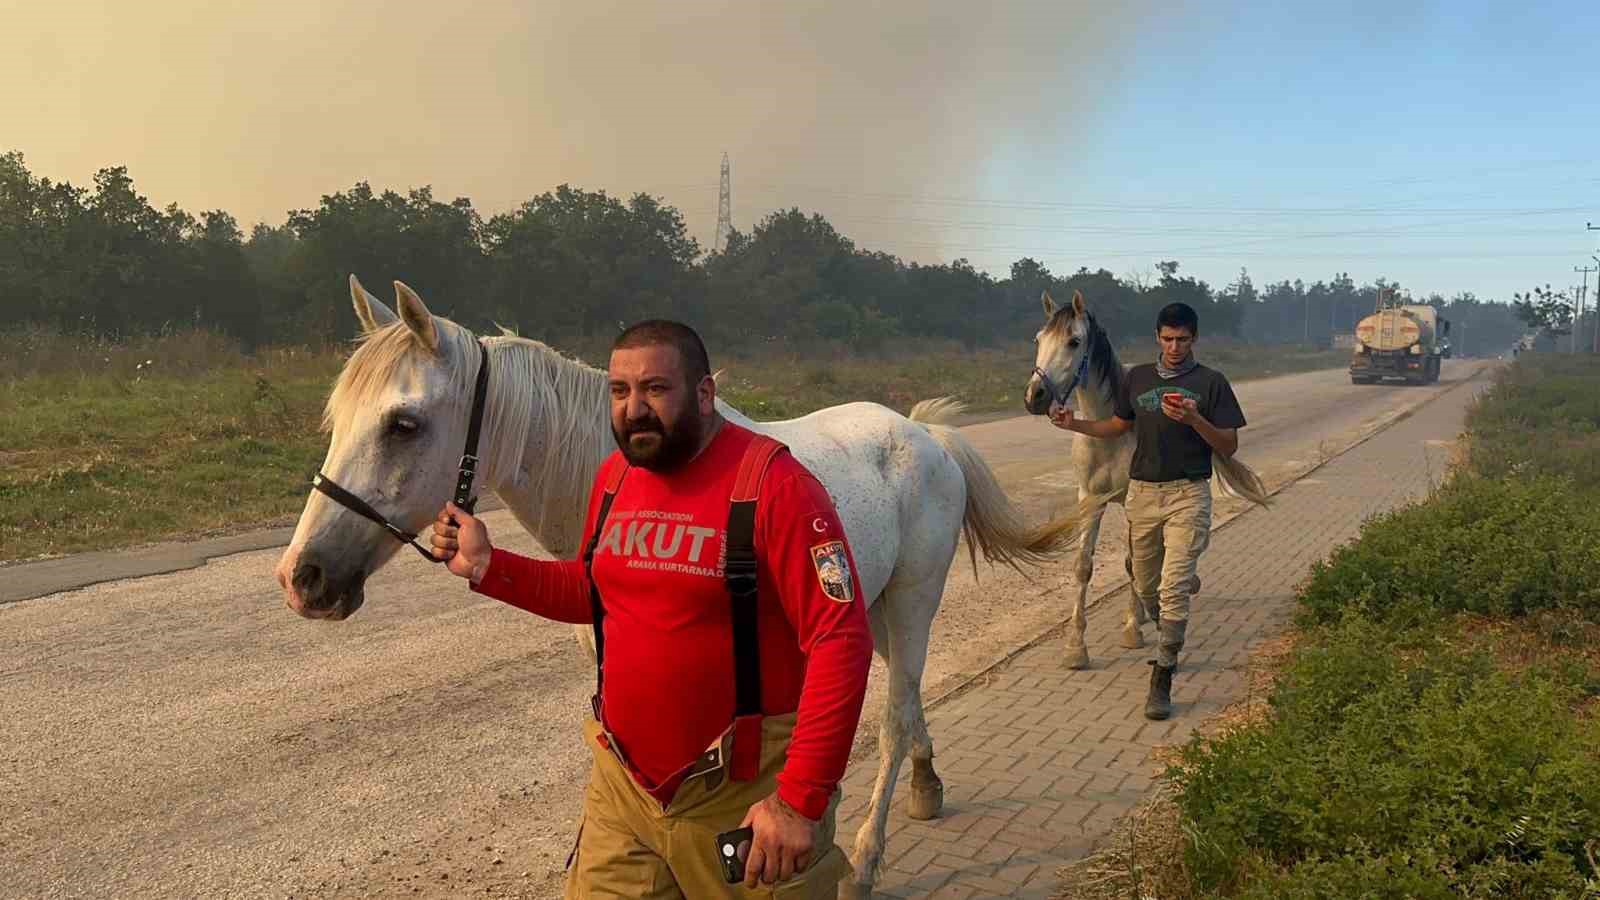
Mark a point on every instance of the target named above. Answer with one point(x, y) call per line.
point(729, 845)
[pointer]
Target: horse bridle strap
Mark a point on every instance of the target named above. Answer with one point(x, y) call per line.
point(465, 474)
point(1077, 377)
point(358, 506)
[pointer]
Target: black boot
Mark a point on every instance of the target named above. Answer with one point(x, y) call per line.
point(1159, 704)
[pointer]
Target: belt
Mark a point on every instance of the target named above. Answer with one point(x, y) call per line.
point(712, 762)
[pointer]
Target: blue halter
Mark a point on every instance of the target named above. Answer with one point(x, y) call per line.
point(1077, 378)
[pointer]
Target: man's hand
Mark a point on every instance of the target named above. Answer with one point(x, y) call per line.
point(465, 548)
point(783, 843)
point(1061, 417)
point(1183, 409)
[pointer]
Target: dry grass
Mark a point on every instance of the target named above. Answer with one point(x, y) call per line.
point(1543, 638)
point(106, 444)
point(1143, 857)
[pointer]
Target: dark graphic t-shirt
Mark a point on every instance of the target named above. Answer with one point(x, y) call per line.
point(1166, 450)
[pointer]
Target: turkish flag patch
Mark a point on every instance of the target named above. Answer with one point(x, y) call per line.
point(833, 570)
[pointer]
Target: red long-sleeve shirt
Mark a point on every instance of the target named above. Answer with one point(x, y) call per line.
point(668, 690)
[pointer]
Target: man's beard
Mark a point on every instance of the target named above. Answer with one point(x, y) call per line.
point(648, 444)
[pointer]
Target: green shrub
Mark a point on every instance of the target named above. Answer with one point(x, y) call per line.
point(1409, 875)
point(1496, 547)
point(1392, 761)
point(1541, 417)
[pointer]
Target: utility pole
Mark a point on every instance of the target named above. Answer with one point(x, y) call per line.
point(1572, 339)
point(1577, 319)
point(1596, 348)
point(1590, 226)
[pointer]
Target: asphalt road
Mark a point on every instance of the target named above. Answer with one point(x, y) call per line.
point(185, 734)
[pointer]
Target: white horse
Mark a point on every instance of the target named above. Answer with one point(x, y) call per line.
point(1076, 365)
point(906, 488)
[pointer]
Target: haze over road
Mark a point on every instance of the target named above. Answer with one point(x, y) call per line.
point(187, 735)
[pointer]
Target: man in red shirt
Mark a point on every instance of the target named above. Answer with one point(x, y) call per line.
point(707, 719)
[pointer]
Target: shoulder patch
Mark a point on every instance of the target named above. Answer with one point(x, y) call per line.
point(833, 570)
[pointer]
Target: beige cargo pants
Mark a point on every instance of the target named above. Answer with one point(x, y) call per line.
point(629, 847)
point(1169, 526)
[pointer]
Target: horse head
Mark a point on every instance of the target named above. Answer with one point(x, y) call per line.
point(397, 416)
point(1067, 346)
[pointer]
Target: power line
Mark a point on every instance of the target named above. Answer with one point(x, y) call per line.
point(1185, 209)
point(868, 219)
point(1345, 187)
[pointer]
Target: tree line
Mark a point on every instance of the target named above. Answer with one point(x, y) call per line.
point(574, 264)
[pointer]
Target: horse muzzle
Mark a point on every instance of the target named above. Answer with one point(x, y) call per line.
point(1035, 398)
point(316, 591)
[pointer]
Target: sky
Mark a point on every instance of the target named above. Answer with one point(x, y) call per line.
point(1450, 146)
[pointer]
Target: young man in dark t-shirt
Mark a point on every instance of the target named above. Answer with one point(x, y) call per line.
point(1180, 412)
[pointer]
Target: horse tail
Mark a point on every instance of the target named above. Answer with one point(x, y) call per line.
point(1232, 477)
point(992, 523)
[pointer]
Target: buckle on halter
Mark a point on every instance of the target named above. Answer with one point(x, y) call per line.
point(467, 466)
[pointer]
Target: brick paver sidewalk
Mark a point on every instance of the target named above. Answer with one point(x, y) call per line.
point(1040, 761)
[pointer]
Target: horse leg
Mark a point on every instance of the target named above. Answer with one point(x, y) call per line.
point(927, 790)
point(1133, 626)
point(908, 612)
point(1077, 651)
point(585, 634)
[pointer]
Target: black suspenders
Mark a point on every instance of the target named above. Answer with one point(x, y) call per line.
point(740, 574)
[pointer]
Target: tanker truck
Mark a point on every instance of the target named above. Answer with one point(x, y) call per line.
point(1400, 341)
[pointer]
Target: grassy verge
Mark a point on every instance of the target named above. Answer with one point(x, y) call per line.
point(1433, 731)
point(106, 445)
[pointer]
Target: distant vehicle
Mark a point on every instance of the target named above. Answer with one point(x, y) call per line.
point(1400, 341)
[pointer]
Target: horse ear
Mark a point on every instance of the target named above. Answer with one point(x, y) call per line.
point(415, 314)
point(1077, 304)
point(1049, 304)
point(370, 311)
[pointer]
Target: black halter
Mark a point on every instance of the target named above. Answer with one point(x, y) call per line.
point(464, 475)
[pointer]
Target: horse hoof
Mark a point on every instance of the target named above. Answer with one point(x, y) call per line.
point(849, 890)
point(1132, 637)
point(925, 801)
point(1077, 657)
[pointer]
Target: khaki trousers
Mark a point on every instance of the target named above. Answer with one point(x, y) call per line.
point(630, 847)
point(1169, 525)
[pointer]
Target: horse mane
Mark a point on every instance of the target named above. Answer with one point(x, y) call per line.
point(1105, 369)
point(378, 355)
point(570, 395)
point(527, 378)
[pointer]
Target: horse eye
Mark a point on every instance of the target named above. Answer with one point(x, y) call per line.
point(1073, 343)
point(404, 426)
